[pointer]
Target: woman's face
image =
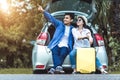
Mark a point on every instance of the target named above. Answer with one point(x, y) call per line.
point(80, 22)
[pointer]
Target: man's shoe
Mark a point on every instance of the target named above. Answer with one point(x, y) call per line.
point(59, 70)
point(51, 71)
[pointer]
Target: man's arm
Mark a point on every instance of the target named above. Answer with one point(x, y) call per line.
point(48, 16)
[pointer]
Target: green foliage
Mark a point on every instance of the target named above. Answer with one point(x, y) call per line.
point(103, 20)
point(115, 46)
point(18, 28)
point(16, 71)
point(108, 21)
point(102, 17)
point(20, 25)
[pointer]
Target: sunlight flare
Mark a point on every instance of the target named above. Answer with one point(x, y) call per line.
point(4, 6)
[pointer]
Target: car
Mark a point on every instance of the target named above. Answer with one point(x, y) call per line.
point(42, 55)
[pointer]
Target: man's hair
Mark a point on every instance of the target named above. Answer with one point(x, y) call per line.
point(71, 15)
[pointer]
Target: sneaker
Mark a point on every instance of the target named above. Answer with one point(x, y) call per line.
point(51, 71)
point(59, 70)
point(103, 71)
point(74, 72)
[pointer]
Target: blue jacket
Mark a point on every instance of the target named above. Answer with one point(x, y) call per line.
point(59, 32)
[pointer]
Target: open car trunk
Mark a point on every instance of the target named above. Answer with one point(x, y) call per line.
point(88, 1)
point(84, 6)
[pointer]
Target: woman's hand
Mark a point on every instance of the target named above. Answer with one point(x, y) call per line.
point(90, 38)
point(83, 37)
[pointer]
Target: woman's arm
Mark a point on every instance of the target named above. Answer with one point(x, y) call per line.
point(90, 37)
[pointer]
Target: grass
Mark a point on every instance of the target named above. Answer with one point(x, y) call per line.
point(29, 71)
point(115, 72)
point(16, 71)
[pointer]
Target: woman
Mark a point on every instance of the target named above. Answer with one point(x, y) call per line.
point(82, 38)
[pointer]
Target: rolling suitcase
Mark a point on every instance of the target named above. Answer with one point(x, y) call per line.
point(85, 60)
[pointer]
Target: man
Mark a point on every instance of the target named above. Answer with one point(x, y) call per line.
point(62, 41)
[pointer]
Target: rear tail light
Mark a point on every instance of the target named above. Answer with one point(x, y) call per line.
point(42, 38)
point(99, 39)
point(40, 66)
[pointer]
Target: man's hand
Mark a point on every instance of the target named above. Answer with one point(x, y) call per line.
point(40, 8)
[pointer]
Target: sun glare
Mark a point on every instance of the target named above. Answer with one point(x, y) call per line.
point(4, 6)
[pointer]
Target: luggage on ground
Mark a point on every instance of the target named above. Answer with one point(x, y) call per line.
point(85, 62)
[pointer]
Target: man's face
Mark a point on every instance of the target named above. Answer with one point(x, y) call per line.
point(67, 20)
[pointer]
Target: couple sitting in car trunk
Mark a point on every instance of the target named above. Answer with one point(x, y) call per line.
point(67, 39)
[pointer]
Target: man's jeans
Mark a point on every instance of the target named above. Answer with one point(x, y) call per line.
point(73, 59)
point(58, 55)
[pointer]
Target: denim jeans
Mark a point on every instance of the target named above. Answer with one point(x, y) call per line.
point(73, 59)
point(58, 55)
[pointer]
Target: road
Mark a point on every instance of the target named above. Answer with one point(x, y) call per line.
point(60, 77)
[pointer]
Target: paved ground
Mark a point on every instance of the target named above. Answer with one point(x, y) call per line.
point(60, 77)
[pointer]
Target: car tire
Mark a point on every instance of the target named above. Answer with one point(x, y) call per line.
point(39, 72)
point(68, 70)
point(97, 71)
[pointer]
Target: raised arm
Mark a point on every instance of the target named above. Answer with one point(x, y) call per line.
point(48, 16)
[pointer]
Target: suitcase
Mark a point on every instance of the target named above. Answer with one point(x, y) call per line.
point(85, 60)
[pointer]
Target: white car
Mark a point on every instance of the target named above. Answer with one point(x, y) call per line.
point(42, 55)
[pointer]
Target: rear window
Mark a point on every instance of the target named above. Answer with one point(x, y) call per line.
point(74, 5)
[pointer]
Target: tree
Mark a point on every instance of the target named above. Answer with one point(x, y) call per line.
point(18, 28)
point(108, 20)
point(115, 29)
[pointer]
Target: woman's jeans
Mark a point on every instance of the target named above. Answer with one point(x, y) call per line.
point(73, 59)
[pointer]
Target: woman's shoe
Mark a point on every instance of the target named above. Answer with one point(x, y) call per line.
point(103, 71)
point(74, 72)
